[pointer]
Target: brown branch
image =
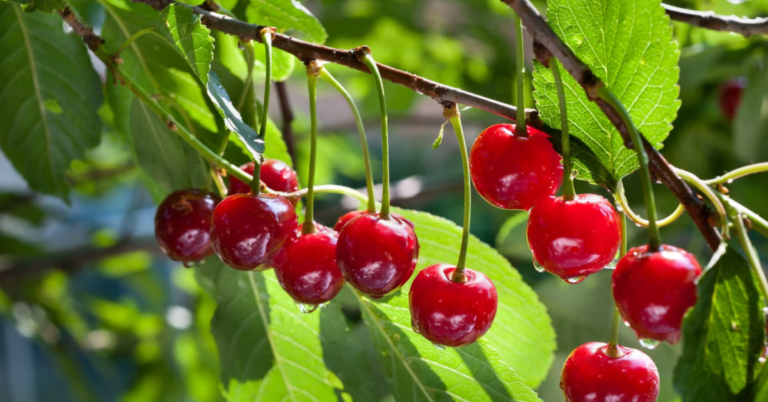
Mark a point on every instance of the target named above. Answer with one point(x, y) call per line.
point(710, 20)
point(92, 40)
point(543, 34)
point(287, 112)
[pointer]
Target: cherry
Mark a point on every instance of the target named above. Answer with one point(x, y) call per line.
point(591, 375)
point(450, 313)
point(344, 219)
point(183, 223)
point(377, 255)
point(275, 174)
point(514, 172)
point(248, 229)
point(730, 96)
point(576, 238)
point(306, 268)
point(653, 290)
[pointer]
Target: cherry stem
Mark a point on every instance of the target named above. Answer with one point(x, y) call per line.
point(453, 114)
point(654, 236)
point(137, 35)
point(327, 77)
point(266, 39)
point(520, 128)
point(313, 71)
point(749, 250)
point(756, 221)
point(621, 199)
point(569, 192)
point(739, 173)
point(613, 345)
point(709, 193)
point(249, 61)
point(364, 54)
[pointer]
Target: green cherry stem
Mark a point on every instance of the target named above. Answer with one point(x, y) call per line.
point(749, 250)
point(313, 71)
point(606, 95)
point(250, 57)
point(327, 77)
point(569, 192)
point(520, 129)
point(757, 222)
point(453, 114)
point(364, 55)
point(613, 345)
point(137, 35)
point(711, 195)
point(621, 199)
point(266, 38)
point(739, 173)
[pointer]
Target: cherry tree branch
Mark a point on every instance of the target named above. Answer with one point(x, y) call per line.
point(710, 20)
point(553, 46)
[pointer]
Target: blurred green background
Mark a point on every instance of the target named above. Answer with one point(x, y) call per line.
point(92, 310)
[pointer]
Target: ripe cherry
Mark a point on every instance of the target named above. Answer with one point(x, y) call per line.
point(653, 290)
point(306, 268)
point(248, 229)
point(450, 313)
point(730, 96)
point(344, 219)
point(514, 172)
point(576, 238)
point(275, 174)
point(183, 224)
point(591, 375)
point(377, 255)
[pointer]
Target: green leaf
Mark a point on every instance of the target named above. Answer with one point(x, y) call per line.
point(231, 56)
point(761, 390)
point(49, 97)
point(522, 333)
point(268, 349)
point(722, 335)
point(46, 6)
point(511, 240)
point(287, 15)
point(232, 119)
point(627, 44)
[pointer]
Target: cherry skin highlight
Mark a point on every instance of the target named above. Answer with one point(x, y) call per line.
point(275, 174)
point(306, 268)
point(590, 375)
point(730, 96)
point(450, 313)
point(344, 219)
point(247, 229)
point(574, 239)
point(377, 256)
point(653, 290)
point(514, 172)
point(183, 223)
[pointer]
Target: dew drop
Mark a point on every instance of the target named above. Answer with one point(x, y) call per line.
point(439, 346)
point(538, 266)
point(189, 264)
point(649, 343)
point(306, 308)
point(324, 305)
point(626, 324)
point(575, 279)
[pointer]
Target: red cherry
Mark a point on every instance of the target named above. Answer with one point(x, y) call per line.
point(654, 290)
point(449, 313)
point(513, 172)
point(306, 268)
point(275, 174)
point(377, 256)
point(730, 96)
point(344, 219)
point(590, 375)
point(247, 230)
point(183, 224)
point(574, 239)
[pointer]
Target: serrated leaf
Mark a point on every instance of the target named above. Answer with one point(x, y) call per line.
point(522, 333)
point(232, 118)
point(287, 15)
point(627, 44)
point(49, 97)
point(268, 349)
point(722, 335)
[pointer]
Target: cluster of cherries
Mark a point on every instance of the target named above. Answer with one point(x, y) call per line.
point(573, 237)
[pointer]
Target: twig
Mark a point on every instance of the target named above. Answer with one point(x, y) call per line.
point(579, 70)
point(710, 20)
point(287, 112)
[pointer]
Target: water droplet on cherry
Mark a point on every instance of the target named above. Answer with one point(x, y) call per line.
point(626, 324)
point(575, 279)
point(649, 343)
point(306, 308)
point(538, 266)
